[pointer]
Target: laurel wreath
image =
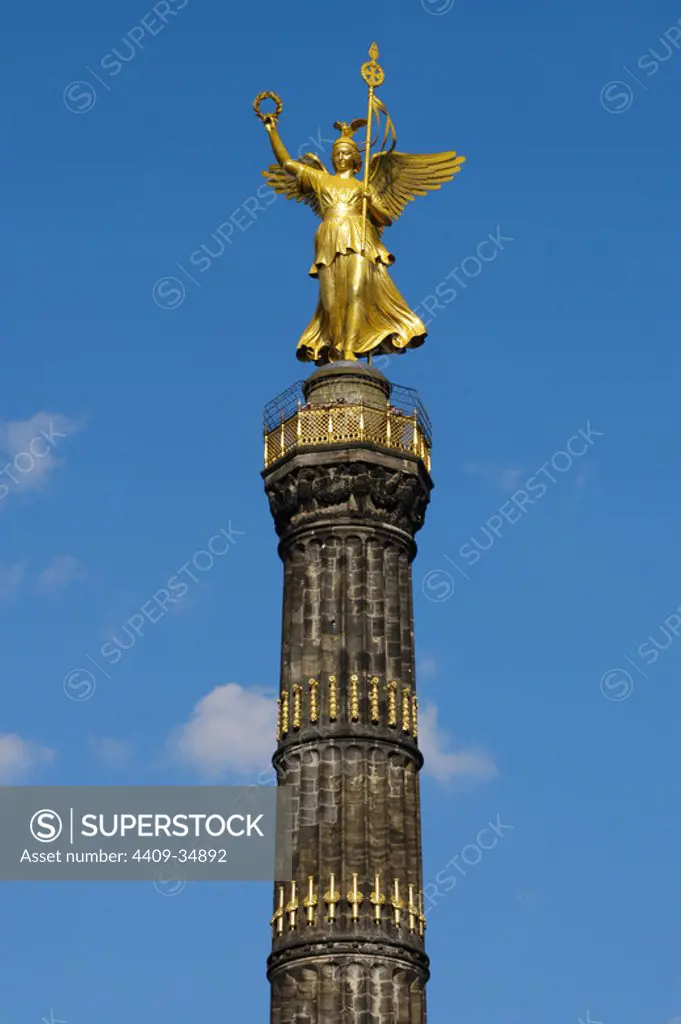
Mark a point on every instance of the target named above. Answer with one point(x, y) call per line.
point(279, 106)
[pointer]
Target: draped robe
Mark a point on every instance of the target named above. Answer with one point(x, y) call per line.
point(381, 320)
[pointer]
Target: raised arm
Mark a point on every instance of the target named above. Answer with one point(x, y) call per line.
point(279, 149)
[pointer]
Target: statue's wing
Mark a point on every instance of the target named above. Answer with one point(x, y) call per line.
point(287, 184)
point(400, 177)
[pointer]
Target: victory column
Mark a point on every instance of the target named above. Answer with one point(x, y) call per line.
point(347, 475)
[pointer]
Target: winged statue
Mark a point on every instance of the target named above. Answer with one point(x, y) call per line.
point(359, 311)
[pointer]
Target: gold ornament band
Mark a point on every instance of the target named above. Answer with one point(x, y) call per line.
point(300, 707)
point(288, 912)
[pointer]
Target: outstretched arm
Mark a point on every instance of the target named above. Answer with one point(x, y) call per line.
point(279, 149)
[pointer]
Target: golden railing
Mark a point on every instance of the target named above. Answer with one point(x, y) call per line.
point(316, 425)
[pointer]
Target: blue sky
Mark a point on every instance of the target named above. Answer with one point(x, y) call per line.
point(568, 115)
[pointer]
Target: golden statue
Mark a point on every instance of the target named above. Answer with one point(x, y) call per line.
point(360, 311)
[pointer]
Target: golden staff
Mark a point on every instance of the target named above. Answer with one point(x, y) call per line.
point(373, 75)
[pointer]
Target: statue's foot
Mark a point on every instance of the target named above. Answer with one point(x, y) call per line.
point(349, 355)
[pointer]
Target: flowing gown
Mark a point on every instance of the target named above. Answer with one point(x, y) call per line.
point(385, 322)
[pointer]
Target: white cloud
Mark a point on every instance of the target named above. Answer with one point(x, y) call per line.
point(12, 579)
point(426, 667)
point(581, 480)
point(110, 751)
point(61, 571)
point(506, 478)
point(231, 729)
point(30, 446)
point(443, 764)
point(18, 757)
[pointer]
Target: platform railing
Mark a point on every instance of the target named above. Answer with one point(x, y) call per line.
point(312, 425)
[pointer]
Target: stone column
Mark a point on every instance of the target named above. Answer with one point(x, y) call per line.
point(348, 493)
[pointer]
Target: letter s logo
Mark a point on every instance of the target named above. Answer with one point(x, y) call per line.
point(45, 826)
